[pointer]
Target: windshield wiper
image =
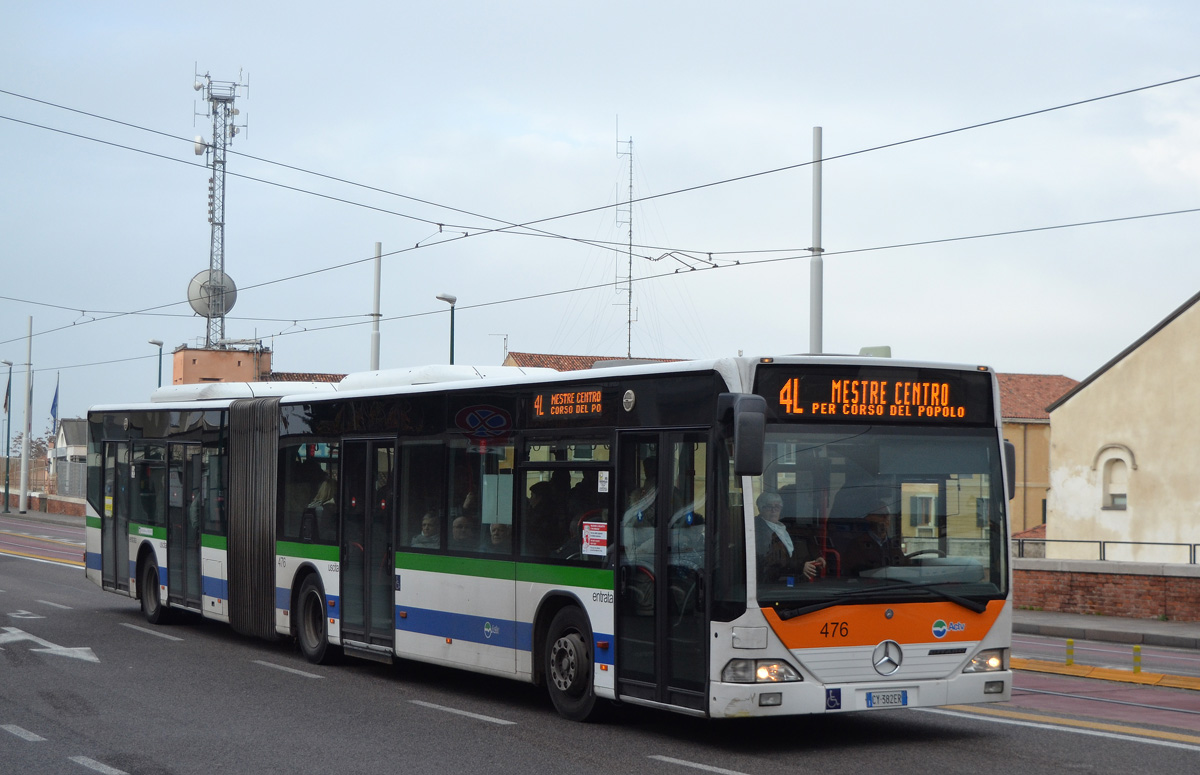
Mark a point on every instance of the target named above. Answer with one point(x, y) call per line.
point(965, 602)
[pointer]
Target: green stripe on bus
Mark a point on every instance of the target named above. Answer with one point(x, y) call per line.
point(214, 542)
point(147, 531)
point(565, 575)
point(307, 551)
point(93, 522)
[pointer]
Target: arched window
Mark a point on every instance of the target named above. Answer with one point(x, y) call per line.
point(1116, 484)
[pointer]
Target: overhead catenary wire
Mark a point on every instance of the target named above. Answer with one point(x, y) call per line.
point(799, 255)
point(508, 229)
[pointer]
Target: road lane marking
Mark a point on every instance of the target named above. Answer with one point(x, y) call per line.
point(696, 765)
point(287, 669)
point(149, 631)
point(1111, 731)
point(468, 714)
point(24, 734)
point(96, 766)
point(56, 605)
point(39, 558)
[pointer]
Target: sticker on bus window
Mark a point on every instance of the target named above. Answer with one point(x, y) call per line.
point(602, 482)
point(595, 538)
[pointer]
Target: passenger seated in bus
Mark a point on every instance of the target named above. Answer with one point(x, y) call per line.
point(464, 534)
point(429, 537)
point(499, 538)
point(544, 530)
point(783, 555)
point(585, 495)
point(875, 547)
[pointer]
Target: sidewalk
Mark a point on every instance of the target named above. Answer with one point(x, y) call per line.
point(65, 520)
point(1109, 629)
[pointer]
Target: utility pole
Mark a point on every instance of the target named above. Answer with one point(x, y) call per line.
point(626, 283)
point(816, 269)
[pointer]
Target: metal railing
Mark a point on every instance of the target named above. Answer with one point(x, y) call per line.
point(1036, 548)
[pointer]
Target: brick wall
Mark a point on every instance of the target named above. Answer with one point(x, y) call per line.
point(1128, 589)
point(47, 504)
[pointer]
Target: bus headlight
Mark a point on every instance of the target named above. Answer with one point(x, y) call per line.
point(762, 671)
point(987, 661)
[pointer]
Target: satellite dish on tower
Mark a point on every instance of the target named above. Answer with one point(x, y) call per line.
point(212, 299)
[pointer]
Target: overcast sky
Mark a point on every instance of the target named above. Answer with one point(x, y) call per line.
point(477, 115)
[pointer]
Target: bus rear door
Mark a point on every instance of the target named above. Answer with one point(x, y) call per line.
point(367, 561)
point(114, 525)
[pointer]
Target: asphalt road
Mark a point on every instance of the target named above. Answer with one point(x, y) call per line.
point(87, 686)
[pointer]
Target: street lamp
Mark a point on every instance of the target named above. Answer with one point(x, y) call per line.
point(450, 299)
point(158, 343)
point(7, 432)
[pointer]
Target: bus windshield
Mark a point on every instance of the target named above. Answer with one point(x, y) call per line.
point(869, 513)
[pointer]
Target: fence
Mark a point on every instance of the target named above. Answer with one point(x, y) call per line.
point(1182, 554)
point(70, 481)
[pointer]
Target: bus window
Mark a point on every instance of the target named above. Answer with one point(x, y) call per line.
point(422, 489)
point(564, 514)
point(149, 501)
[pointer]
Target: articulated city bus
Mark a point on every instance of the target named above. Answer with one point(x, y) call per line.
point(739, 537)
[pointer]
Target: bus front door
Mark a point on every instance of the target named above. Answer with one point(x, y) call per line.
point(367, 560)
point(185, 506)
point(114, 524)
point(662, 644)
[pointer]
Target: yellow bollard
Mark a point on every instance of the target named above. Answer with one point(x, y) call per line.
point(1070, 651)
point(1137, 659)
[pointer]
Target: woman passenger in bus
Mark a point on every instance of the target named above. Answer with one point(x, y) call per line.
point(782, 554)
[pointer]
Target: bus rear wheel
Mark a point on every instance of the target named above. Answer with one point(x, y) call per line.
point(152, 605)
point(569, 665)
point(312, 629)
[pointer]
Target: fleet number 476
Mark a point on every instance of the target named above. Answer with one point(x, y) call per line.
point(835, 629)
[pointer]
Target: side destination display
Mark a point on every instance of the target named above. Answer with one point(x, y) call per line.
point(570, 407)
point(856, 394)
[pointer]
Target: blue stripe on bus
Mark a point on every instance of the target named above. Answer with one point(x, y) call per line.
point(504, 633)
point(93, 561)
point(283, 602)
point(214, 587)
point(489, 631)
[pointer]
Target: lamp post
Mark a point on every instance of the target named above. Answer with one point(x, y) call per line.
point(7, 432)
point(450, 299)
point(158, 343)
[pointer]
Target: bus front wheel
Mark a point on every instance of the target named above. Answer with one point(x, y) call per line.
point(312, 630)
point(569, 665)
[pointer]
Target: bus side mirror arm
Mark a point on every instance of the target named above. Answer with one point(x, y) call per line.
point(1010, 464)
point(744, 416)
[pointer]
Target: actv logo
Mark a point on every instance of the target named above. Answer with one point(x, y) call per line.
point(940, 628)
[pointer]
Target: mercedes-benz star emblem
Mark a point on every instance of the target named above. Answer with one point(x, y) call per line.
point(887, 657)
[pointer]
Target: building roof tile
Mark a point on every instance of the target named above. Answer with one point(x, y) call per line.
point(1026, 396)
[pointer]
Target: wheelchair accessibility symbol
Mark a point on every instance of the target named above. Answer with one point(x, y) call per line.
point(833, 699)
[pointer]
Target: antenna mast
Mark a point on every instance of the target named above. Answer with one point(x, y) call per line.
point(218, 292)
point(625, 283)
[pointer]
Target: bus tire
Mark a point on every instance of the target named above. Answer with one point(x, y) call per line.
point(569, 665)
point(312, 624)
point(153, 608)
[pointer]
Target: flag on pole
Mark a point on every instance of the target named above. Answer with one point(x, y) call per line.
point(54, 408)
point(7, 393)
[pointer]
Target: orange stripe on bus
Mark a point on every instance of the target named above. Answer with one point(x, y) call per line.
point(867, 625)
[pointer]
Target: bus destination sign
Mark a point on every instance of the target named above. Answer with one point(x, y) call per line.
point(852, 394)
point(572, 406)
